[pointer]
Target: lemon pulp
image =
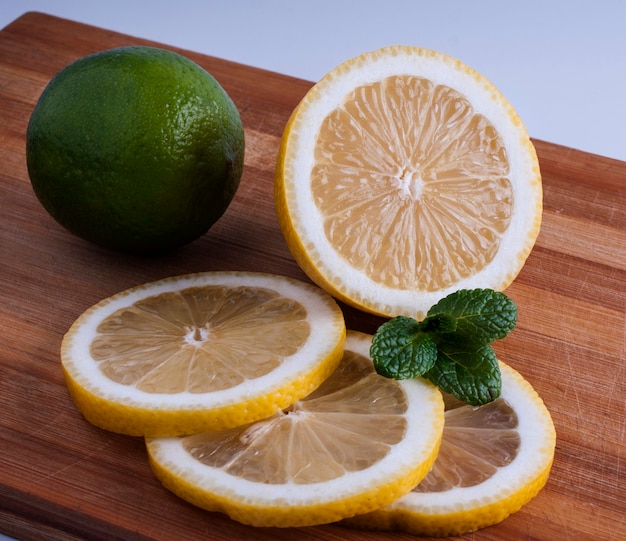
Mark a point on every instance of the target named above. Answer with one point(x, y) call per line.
point(435, 170)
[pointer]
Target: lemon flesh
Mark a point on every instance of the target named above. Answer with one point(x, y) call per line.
point(440, 173)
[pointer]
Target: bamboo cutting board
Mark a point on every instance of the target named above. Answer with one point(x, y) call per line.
point(61, 478)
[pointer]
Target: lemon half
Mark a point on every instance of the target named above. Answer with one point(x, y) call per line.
point(404, 175)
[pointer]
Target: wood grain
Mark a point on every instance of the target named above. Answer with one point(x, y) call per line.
point(61, 478)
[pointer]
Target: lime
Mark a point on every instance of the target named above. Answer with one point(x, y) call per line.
point(137, 149)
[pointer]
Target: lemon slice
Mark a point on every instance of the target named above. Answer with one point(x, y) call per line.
point(358, 442)
point(493, 460)
point(202, 351)
point(404, 175)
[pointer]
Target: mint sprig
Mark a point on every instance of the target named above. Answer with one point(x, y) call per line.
point(451, 347)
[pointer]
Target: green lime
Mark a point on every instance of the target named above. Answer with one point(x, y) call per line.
point(137, 149)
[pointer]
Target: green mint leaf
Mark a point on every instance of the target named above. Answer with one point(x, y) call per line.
point(451, 347)
point(401, 350)
point(440, 324)
point(482, 315)
point(472, 375)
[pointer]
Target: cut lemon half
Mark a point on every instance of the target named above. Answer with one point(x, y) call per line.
point(493, 460)
point(404, 175)
point(358, 442)
point(202, 351)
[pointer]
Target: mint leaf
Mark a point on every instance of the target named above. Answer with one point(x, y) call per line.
point(440, 324)
point(451, 347)
point(471, 375)
point(481, 315)
point(401, 349)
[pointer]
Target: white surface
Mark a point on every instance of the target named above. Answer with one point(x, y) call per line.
point(561, 63)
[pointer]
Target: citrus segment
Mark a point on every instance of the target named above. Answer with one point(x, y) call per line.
point(404, 175)
point(358, 442)
point(493, 460)
point(202, 351)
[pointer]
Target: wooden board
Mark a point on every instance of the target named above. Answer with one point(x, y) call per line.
point(61, 478)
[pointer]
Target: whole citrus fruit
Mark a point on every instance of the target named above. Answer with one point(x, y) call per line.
point(137, 149)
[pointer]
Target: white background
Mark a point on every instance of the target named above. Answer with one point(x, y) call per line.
point(562, 64)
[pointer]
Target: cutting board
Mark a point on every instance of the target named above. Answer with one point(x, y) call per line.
point(61, 478)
